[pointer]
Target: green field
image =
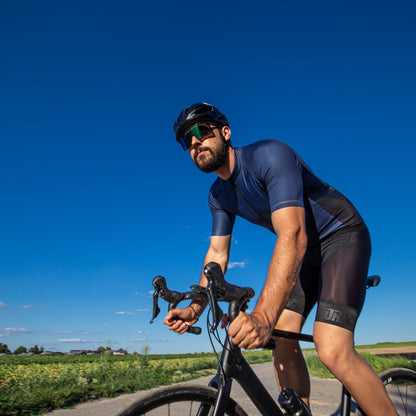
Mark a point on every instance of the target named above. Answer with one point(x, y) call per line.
point(389, 345)
point(31, 385)
point(380, 345)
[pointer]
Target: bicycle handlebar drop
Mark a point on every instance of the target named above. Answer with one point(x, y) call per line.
point(218, 289)
point(232, 365)
point(236, 296)
point(173, 298)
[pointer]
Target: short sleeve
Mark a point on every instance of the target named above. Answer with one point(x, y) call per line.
point(281, 171)
point(222, 221)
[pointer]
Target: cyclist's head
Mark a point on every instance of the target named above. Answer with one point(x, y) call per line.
point(197, 113)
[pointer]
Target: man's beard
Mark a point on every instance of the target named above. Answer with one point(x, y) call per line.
point(218, 157)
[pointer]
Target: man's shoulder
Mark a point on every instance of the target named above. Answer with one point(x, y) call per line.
point(263, 153)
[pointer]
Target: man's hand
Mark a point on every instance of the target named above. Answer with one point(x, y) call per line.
point(250, 331)
point(179, 320)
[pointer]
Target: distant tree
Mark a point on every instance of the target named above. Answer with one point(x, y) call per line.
point(144, 357)
point(36, 350)
point(4, 349)
point(20, 350)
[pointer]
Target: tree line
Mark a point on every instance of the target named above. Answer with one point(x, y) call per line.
point(4, 349)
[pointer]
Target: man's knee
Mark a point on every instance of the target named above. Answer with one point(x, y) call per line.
point(331, 357)
point(335, 346)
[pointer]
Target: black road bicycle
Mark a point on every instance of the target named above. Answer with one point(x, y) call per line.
point(214, 399)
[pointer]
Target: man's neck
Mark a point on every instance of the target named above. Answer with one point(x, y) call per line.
point(226, 170)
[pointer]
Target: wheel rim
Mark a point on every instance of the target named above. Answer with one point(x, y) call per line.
point(403, 395)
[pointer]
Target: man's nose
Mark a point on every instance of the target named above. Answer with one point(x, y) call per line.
point(195, 141)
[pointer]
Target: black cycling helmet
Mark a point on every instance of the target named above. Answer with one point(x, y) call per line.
point(196, 113)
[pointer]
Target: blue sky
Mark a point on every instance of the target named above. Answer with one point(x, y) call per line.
point(97, 197)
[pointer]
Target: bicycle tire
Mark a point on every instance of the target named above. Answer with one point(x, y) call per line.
point(400, 384)
point(179, 400)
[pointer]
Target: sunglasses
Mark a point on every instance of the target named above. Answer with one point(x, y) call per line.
point(200, 131)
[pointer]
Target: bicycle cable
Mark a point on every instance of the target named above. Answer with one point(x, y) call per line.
point(217, 336)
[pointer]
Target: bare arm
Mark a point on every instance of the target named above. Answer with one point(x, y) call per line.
point(219, 252)
point(255, 329)
point(289, 224)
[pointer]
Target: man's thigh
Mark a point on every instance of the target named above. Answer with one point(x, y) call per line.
point(343, 278)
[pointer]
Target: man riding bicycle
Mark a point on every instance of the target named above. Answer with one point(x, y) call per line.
point(321, 254)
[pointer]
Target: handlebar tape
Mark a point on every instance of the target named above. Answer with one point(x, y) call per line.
point(196, 330)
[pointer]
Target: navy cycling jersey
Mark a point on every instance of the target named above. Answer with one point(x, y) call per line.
point(269, 175)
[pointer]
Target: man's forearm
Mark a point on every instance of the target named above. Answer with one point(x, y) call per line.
point(218, 253)
point(281, 277)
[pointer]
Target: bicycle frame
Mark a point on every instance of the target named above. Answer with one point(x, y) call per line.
point(233, 365)
point(345, 402)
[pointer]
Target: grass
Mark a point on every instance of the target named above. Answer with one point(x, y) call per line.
point(379, 345)
point(34, 388)
point(388, 345)
point(380, 364)
point(33, 385)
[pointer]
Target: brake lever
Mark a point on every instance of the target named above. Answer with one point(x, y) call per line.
point(156, 309)
point(170, 296)
point(217, 312)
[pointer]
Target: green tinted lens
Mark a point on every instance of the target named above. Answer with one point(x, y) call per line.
point(199, 131)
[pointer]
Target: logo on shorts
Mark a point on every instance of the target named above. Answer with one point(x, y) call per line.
point(332, 315)
point(340, 315)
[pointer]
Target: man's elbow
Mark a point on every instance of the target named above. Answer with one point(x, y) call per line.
point(303, 237)
point(300, 239)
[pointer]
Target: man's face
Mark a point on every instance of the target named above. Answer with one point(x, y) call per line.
point(211, 153)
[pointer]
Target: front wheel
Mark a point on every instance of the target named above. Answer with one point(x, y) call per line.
point(179, 400)
point(400, 384)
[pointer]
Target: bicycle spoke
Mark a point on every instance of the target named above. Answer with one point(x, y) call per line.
point(403, 397)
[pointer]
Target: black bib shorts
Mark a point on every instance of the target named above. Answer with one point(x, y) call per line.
point(334, 274)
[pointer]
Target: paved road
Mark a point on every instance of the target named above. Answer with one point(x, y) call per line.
point(325, 398)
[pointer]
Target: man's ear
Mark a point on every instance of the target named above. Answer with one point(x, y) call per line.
point(226, 132)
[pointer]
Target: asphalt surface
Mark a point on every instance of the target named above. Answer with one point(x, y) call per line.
point(325, 397)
